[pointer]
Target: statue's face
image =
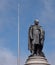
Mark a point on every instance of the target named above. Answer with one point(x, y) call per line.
point(36, 22)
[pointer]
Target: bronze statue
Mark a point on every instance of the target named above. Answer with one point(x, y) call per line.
point(36, 39)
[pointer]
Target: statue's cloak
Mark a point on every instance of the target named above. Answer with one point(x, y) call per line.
point(30, 39)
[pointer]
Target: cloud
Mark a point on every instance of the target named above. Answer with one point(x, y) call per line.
point(7, 57)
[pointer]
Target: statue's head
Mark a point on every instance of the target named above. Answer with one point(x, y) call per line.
point(36, 21)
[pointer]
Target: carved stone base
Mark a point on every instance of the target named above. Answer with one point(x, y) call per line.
point(36, 60)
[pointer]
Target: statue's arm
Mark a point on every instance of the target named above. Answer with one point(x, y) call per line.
point(30, 32)
point(42, 37)
point(42, 34)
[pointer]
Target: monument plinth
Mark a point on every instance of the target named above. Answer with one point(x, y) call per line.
point(35, 45)
point(36, 60)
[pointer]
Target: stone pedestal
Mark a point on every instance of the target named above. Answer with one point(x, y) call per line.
point(36, 60)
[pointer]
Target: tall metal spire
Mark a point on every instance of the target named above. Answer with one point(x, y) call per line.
point(18, 62)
